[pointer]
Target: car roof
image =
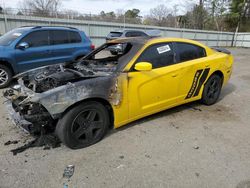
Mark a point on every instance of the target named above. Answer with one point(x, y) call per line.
point(153, 40)
point(138, 40)
point(49, 27)
point(126, 30)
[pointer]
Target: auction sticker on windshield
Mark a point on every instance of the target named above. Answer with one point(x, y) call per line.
point(163, 49)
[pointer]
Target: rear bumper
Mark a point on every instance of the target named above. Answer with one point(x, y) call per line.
point(17, 119)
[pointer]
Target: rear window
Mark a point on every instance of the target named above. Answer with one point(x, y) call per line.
point(189, 52)
point(74, 37)
point(135, 34)
point(59, 37)
point(115, 34)
point(64, 37)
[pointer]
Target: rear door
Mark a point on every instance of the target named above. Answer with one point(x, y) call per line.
point(194, 70)
point(62, 48)
point(39, 52)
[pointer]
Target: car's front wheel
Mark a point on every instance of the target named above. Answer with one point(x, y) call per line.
point(212, 89)
point(83, 125)
point(5, 76)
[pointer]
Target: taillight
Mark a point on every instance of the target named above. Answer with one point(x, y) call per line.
point(92, 46)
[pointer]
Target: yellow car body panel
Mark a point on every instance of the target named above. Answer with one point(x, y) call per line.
point(143, 93)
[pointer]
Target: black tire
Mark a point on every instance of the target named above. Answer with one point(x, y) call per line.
point(5, 76)
point(83, 125)
point(212, 89)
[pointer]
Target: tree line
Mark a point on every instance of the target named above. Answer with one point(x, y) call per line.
point(220, 15)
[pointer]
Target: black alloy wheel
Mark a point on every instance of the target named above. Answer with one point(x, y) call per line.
point(83, 125)
point(212, 90)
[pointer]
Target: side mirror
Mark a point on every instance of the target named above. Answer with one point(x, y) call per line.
point(143, 66)
point(23, 45)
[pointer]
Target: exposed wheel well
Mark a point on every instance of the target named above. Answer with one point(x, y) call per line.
point(103, 102)
point(7, 64)
point(219, 73)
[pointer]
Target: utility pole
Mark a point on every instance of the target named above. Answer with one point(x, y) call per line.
point(201, 16)
point(5, 17)
point(238, 24)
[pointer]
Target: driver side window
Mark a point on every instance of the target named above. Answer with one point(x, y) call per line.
point(37, 38)
point(159, 55)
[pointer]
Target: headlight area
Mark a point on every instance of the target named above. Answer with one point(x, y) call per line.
point(40, 119)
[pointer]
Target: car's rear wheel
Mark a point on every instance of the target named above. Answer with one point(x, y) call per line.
point(83, 125)
point(5, 76)
point(212, 89)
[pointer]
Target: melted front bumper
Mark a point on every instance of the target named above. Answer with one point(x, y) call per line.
point(17, 119)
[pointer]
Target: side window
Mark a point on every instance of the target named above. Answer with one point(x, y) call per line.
point(37, 38)
point(135, 34)
point(139, 34)
point(59, 37)
point(159, 55)
point(189, 52)
point(74, 37)
point(128, 34)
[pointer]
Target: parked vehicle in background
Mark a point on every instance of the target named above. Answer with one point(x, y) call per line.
point(127, 34)
point(30, 47)
point(122, 34)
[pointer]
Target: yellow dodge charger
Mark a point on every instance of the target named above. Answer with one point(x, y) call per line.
point(120, 82)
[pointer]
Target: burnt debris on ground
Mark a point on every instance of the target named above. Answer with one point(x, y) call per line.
point(11, 142)
point(45, 140)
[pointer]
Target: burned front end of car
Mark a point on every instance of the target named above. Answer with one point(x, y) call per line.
point(43, 94)
point(31, 116)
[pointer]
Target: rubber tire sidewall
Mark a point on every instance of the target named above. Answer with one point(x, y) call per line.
point(204, 98)
point(64, 124)
point(10, 75)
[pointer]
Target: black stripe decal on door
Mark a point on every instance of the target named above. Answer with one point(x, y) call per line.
point(201, 82)
point(194, 84)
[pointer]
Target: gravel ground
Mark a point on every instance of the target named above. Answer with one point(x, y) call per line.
point(188, 146)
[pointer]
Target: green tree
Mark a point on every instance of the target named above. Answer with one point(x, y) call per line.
point(133, 16)
point(239, 16)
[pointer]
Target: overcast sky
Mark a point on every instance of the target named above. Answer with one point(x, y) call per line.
point(96, 6)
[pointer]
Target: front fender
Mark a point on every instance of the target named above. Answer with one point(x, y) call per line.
point(10, 62)
point(56, 101)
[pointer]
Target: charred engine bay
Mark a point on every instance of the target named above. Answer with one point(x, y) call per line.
point(56, 76)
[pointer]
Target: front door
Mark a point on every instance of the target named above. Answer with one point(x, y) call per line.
point(155, 90)
point(39, 52)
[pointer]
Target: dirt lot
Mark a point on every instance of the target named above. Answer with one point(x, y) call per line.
point(188, 146)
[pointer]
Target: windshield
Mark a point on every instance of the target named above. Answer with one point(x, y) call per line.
point(9, 37)
point(107, 57)
point(112, 52)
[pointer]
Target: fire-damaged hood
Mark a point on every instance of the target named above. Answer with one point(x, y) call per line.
point(59, 86)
